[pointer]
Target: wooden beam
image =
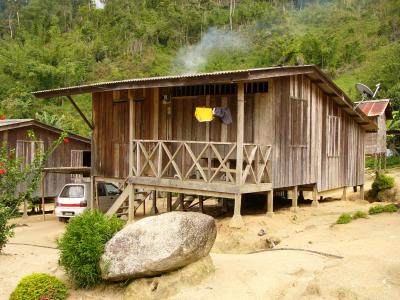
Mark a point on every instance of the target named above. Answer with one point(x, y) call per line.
point(80, 112)
point(43, 195)
point(169, 201)
point(240, 133)
point(294, 196)
point(132, 122)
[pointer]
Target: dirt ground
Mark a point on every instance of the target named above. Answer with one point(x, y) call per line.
point(369, 269)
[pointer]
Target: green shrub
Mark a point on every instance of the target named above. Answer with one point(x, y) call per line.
point(390, 208)
point(359, 215)
point(39, 286)
point(82, 245)
point(382, 182)
point(344, 219)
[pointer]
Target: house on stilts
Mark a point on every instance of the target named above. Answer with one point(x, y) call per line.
point(290, 129)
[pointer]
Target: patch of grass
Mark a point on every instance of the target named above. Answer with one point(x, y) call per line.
point(347, 218)
point(360, 215)
point(378, 209)
point(344, 219)
point(391, 161)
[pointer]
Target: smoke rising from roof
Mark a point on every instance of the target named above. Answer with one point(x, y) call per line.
point(192, 58)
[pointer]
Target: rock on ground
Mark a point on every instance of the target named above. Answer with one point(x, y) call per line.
point(169, 284)
point(158, 244)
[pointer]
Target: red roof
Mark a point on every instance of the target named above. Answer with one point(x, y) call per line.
point(373, 108)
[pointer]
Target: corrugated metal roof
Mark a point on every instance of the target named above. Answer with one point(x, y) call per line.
point(102, 86)
point(374, 108)
point(9, 124)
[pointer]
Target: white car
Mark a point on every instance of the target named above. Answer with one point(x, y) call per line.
point(74, 198)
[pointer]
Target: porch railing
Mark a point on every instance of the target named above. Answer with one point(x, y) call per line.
point(207, 162)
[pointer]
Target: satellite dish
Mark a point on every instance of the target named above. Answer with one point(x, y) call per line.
point(364, 90)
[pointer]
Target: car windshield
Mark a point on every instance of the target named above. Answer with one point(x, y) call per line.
point(72, 191)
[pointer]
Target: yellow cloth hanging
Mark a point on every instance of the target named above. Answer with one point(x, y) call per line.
point(204, 114)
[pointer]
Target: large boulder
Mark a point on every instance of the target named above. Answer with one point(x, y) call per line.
point(158, 244)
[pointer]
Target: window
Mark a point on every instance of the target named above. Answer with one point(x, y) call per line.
point(111, 189)
point(298, 122)
point(72, 191)
point(28, 149)
point(333, 136)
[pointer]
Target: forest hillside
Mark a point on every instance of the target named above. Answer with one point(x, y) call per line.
point(53, 43)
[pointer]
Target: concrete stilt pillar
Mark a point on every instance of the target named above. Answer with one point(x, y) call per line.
point(237, 221)
point(270, 203)
point(314, 202)
point(362, 192)
point(344, 194)
point(294, 196)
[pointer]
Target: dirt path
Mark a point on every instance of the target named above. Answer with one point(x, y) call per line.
point(370, 268)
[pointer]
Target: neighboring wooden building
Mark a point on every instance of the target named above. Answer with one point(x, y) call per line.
point(375, 142)
point(74, 153)
point(293, 129)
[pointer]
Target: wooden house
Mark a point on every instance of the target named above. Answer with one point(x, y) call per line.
point(292, 129)
point(375, 142)
point(74, 153)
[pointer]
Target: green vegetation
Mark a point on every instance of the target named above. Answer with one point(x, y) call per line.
point(52, 43)
point(39, 286)
point(382, 182)
point(82, 245)
point(344, 218)
point(14, 171)
point(392, 161)
point(389, 208)
point(347, 218)
point(360, 215)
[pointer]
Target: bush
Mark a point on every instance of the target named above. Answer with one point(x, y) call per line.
point(82, 245)
point(390, 208)
point(344, 219)
point(382, 182)
point(39, 286)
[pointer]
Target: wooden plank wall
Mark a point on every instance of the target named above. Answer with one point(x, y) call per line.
point(375, 142)
point(61, 157)
point(175, 121)
point(299, 164)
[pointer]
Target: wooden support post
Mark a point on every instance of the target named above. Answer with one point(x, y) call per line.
point(154, 209)
point(131, 212)
point(314, 196)
point(344, 194)
point(181, 202)
point(201, 206)
point(237, 221)
point(240, 134)
point(355, 189)
point(43, 195)
point(132, 123)
point(294, 196)
point(362, 192)
point(270, 203)
point(92, 192)
point(169, 201)
point(375, 163)
point(384, 162)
